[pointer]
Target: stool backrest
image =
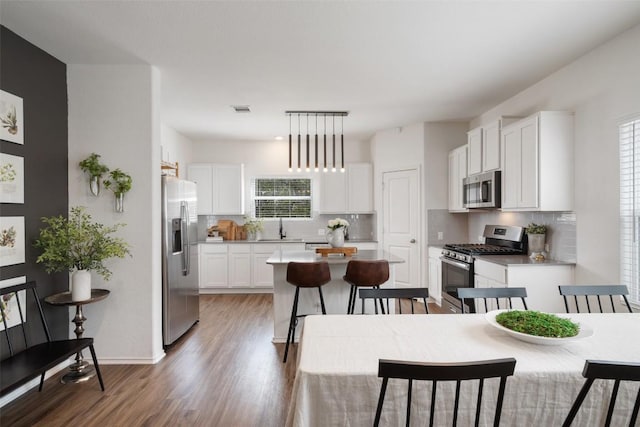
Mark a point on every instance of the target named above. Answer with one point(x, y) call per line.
point(367, 273)
point(308, 274)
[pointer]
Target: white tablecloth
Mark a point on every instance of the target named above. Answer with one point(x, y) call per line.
point(336, 382)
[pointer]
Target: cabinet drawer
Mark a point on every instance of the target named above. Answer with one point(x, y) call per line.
point(213, 248)
point(491, 271)
point(265, 248)
point(240, 248)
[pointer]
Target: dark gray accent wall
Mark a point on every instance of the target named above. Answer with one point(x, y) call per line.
point(41, 81)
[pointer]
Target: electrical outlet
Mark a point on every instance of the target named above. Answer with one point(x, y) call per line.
point(440, 235)
point(320, 231)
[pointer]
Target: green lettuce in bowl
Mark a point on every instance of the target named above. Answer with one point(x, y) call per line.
point(538, 324)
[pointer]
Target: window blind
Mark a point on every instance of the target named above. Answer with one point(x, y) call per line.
point(630, 207)
point(282, 197)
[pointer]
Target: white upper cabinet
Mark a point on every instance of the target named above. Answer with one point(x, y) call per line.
point(457, 173)
point(348, 192)
point(537, 158)
point(220, 188)
point(484, 146)
point(474, 144)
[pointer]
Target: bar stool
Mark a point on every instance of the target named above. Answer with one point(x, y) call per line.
point(365, 274)
point(304, 275)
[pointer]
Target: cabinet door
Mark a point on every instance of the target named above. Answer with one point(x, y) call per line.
point(202, 175)
point(529, 168)
point(457, 172)
point(360, 184)
point(228, 189)
point(490, 146)
point(213, 270)
point(240, 270)
point(475, 146)
point(511, 151)
point(435, 280)
point(333, 192)
point(262, 272)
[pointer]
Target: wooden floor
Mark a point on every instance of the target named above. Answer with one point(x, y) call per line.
point(224, 372)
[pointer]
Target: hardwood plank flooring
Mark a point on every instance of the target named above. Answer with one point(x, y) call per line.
point(224, 372)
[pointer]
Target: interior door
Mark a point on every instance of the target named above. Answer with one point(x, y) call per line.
point(401, 225)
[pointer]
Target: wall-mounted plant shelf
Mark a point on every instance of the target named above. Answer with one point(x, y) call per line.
point(169, 168)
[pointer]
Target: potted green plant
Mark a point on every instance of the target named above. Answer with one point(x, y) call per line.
point(536, 235)
point(92, 166)
point(253, 227)
point(120, 183)
point(79, 245)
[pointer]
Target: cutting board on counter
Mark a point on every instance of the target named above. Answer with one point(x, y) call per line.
point(227, 229)
point(344, 251)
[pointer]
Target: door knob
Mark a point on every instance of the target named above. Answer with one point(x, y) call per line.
point(412, 241)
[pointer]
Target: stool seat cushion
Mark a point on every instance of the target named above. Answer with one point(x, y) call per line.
point(308, 274)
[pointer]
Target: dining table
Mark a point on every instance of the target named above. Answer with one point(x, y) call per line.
point(337, 384)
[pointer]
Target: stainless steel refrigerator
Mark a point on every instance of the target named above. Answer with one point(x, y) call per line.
point(180, 293)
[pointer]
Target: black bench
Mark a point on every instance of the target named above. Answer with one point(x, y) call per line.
point(27, 360)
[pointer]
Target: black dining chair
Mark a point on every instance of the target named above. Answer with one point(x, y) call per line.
point(436, 372)
point(398, 294)
point(493, 293)
point(596, 291)
point(607, 370)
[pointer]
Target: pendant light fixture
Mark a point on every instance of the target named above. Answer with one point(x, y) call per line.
point(316, 169)
point(325, 144)
point(316, 166)
point(290, 147)
point(299, 144)
point(307, 169)
point(333, 129)
point(342, 144)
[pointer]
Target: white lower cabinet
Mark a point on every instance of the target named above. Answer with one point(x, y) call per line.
point(238, 267)
point(540, 280)
point(435, 274)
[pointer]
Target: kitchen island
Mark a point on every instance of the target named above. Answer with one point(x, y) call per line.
point(336, 292)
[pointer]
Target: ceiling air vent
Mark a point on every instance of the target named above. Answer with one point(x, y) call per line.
point(241, 108)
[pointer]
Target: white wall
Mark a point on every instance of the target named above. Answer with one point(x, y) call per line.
point(602, 88)
point(176, 147)
point(113, 111)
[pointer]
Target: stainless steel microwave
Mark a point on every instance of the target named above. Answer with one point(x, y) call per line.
point(482, 190)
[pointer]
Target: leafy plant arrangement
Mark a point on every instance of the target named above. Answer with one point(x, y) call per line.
point(119, 182)
point(334, 224)
point(538, 324)
point(253, 225)
point(93, 167)
point(78, 243)
point(534, 228)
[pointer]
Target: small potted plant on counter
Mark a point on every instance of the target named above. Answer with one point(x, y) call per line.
point(336, 231)
point(253, 227)
point(79, 245)
point(120, 183)
point(536, 234)
point(92, 166)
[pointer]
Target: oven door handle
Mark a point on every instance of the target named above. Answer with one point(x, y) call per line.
point(459, 264)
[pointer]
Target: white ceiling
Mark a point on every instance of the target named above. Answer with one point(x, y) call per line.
point(389, 63)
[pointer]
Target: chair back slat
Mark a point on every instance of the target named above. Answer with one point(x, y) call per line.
point(6, 329)
point(493, 293)
point(436, 372)
point(395, 293)
point(597, 291)
point(606, 370)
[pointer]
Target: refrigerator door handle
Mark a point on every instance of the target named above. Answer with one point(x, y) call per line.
point(184, 232)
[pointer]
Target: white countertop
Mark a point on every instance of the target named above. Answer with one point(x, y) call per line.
point(520, 260)
point(278, 241)
point(285, 257)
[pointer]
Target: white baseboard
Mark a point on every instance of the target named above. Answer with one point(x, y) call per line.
point(212, 291)
point(33, 383)
point(134, 361)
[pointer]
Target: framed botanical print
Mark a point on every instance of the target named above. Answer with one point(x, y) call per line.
point(11, 179)
point(11, 118)
point(12, 240)
point(10, 303)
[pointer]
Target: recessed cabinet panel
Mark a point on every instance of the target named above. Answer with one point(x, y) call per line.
point(475, 146)
point(457, 173)
point(347, 192)
point(202, 175)
point(491, 146)
point(220, 188)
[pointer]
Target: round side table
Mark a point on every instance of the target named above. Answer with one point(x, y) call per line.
point(80, 370)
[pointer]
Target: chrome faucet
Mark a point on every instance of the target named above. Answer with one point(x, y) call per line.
point(282, 233)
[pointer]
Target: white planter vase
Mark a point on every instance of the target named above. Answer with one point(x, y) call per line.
point(81, 285)
point(336, 237)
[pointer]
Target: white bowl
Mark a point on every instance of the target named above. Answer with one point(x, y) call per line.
point(585, 331)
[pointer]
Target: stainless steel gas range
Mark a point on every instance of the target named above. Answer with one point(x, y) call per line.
point(457, 261)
